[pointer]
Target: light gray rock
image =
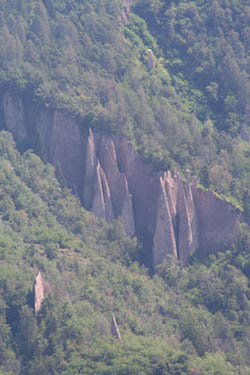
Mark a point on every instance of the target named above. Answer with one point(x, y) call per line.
point(66, 149)
point(15, 118)
point(186, 239)
point(115, 329)
point(120, 195)
point(98, 206)
point(90, 171)
point(107, 197)
point(113, 181)
point(218, 221)
point(164, 238)
point(39, 292)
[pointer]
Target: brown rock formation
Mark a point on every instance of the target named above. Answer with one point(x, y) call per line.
point(168, 215)
point(115, 329)
point(39, 292)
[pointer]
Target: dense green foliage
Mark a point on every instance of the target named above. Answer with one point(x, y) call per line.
point(193, 321)
point(187, 112)
point(77, 55)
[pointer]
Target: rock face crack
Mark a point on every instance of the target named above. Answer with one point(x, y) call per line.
point(170, 216)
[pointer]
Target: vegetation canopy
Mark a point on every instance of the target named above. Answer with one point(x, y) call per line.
point(90, 59)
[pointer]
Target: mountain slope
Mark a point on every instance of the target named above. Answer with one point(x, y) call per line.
point(95, 68)
point(167, 323)
point(185, 111)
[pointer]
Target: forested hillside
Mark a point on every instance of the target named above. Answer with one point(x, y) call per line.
point(193, 321)
point(190, 110)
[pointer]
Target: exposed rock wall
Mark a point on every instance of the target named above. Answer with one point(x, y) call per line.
point(14, 117)
point(217, 221)
point(168, 215)
point(115, 329)
point(39, 292)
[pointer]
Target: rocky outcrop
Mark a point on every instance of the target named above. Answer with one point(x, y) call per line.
point(176, 226)
point(115, 329)
point(40, 289)
point(151, 60)
point(14, 117)
point(217, 221)
point(168, 215)
point(106, 190)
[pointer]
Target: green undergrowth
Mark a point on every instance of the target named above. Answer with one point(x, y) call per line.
point(179, 321)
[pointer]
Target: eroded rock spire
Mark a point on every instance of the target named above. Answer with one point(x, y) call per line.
point(115, 329)
point(39, 292)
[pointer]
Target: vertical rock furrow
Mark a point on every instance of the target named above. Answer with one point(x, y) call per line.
point(164, 238)
point(127, 214)
point(120, 195)
point(107, 196)
point(98, 206)
point(112, 180)
point(185, 233)
point(90, 171)
point(171, 191)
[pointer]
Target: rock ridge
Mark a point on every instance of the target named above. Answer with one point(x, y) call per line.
point(168, 215)
point(40, 289)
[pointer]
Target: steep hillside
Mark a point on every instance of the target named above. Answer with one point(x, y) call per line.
point(128, 100)
point(186, 112)
point(179, 322)
point(168, 215)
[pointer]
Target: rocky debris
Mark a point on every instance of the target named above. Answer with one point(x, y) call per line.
point(151, 60)
point(40, 289)
point(115, 329)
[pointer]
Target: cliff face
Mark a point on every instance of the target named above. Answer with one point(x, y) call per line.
point(40, 290)
point(168, 215)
